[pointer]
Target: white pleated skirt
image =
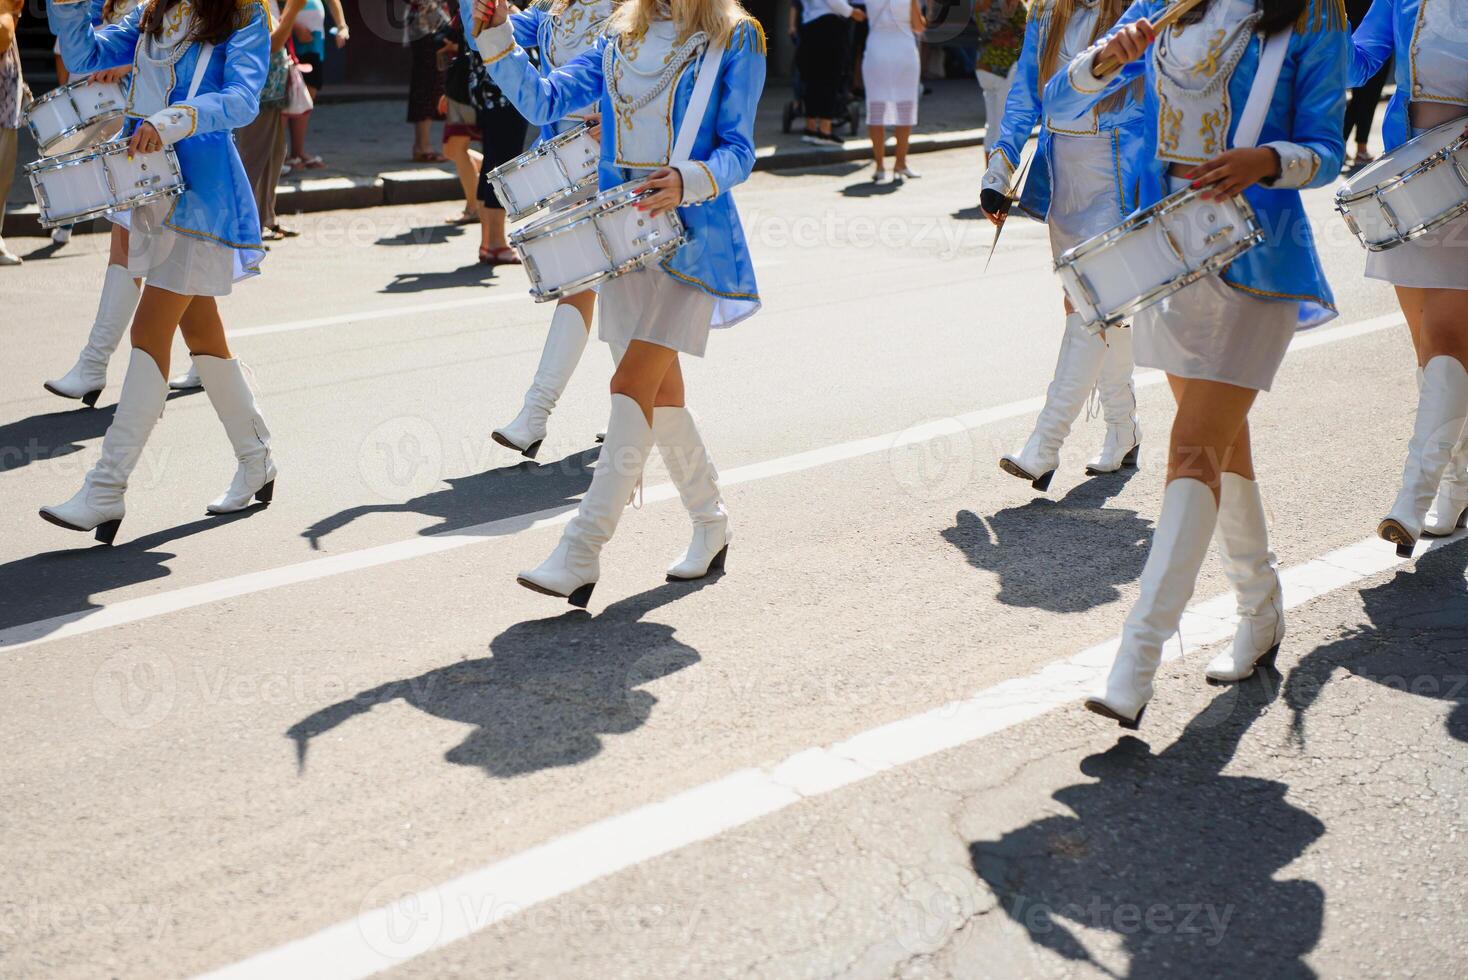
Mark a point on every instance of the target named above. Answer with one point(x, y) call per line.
point(651, 306)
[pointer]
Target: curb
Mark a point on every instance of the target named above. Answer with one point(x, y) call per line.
point(429, 186)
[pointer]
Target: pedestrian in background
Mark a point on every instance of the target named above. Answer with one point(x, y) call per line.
point(13, 96)
point(1001, 25)
point(460, 121)
point(823, 55)
point(262, 142)
point(425, 32)
point(309, 42)
point(890, 70)
point(1361, 113)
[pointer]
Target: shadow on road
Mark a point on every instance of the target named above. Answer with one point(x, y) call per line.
point(57, 583)
point(57, 434)
point(1065, 555)
point(510, 491)
point(867, 188)
point(547, 694)
point(1175, 858)
point(477, 274)
point(1415, 641)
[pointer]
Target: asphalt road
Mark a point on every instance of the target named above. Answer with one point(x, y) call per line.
point(333, 736)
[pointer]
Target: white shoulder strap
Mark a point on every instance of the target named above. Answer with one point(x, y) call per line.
point(206, 49)
point(703, 88)
point(1271, 61)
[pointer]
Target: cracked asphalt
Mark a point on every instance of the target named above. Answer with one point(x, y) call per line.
point(224, 770)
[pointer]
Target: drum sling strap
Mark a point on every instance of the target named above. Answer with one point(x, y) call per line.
point(1271, 61)
point(703, 87)
point(206, 50)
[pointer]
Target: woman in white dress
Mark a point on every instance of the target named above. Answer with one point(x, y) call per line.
point(890, 69)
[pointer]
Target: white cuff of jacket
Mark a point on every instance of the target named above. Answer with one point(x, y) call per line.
point(999, 174)
point(174, 123)
point(495, 42)
point(1083, 79)
point(1298, 165)
point(699, 185)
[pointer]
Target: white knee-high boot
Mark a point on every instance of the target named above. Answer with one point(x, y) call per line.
point(98, 505)
point(189, 380)
point(1441, 410)
point(1118, 405)
point(1449, 510)
point(1179, 546)
point(229, 392)
point(88, 376)
point(678, 440)
point(1243, 545)
point(1076, 370)
point(572, 570)
point(564, 343)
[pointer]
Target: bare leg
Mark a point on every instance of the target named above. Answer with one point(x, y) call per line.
point(1411, 300)
point(158, 315)
point(421, 135)
point(202, 329)
point(1210, 428)
point(1444, 329)
point(641, 373)
point(878, 136)
point(296, 126)
point(903, 134)
point(670, 392)
point(456, 148)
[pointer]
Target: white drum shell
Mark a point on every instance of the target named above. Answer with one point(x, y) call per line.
point(1154, 254)
point(1407, 193)
point(548, 173)
point(77, 115)
point(606, 237)
point(90, 183)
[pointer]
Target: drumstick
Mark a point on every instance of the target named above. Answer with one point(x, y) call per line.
point(1170, 17)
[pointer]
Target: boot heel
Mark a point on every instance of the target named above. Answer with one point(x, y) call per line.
point(90, 398)
point(1130, 459)
point(581, 596)
point(1392, 530)
point(1043, 483)
point(266, 493)
point(107, 530)
point(717, 565)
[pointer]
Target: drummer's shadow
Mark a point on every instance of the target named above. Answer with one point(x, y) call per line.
point(477, 274)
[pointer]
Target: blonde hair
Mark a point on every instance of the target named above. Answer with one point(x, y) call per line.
point(716, 18)
point(1060, 12)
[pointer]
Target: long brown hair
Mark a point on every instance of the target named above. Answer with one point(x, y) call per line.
point(1059, 12)
point(214, 20)
point(1278, 14)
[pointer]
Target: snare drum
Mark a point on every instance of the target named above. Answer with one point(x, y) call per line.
point(90, 183)
point(551, 172)
point(607, 237)
point(77, 115)
point(1410, 191)
point(1155, 253)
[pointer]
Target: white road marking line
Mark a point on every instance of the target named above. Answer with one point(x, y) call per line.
point(415, 309)
point(420, 922)
point(85, 621)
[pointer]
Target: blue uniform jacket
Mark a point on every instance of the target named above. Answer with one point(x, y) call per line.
point(716, 258)
point(218, 205)
point(1307, 110)
point(1025, 107)
point(1389, 29)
